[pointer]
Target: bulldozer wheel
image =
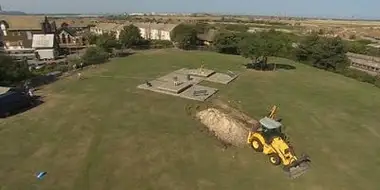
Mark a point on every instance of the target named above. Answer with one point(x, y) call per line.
point(274, 159)
point(257, 145)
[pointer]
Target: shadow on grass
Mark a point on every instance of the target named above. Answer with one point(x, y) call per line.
point(122, 54)
point(37, 101)
point(269, 66)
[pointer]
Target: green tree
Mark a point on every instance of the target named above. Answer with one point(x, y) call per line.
point(330, 54)
point(236, 27)
point(11, 71)
point(108, 41)
point(73, 60)
point(185, 36)
point(130, 36)
point(264, 44)
point(90, 38)
point(306, 46)
point(324, 53)
point(94, 55)
point(202, 27)
point(228, 42)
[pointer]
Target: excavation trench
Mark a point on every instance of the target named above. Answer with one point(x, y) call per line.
point(228, 124)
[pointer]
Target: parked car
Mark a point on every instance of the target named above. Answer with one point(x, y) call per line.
point(13, 100)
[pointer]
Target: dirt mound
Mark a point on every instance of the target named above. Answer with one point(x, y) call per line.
point(227, 124)
point(234, 112)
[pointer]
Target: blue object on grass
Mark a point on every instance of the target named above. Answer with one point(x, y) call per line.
point(41, 175)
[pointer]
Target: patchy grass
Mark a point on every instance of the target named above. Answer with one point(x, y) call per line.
point(103, 133)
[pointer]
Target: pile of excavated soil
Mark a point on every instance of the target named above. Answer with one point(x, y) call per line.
point(225, 125)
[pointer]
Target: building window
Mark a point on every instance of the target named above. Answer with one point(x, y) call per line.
point(29, 35)
point(63, 38)
point(4, 29)
point(68, 39)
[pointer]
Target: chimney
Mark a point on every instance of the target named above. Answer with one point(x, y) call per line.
point(46, 26)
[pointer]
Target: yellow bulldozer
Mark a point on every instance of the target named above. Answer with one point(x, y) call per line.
point(268, 138)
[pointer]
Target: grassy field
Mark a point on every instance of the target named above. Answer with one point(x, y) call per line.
point(103, 133)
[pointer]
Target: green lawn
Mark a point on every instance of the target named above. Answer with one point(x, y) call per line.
point(103, 133)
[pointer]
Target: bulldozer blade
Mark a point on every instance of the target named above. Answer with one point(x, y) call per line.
point(299, 167)
point(298, 170)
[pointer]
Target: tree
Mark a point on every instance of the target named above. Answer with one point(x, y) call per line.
point(94, 55)
point(73, 60)
point(330, 53)
point(11, 71)
point(108, 41)
point(305, 48)
point(228, 42)
point(130, 36)
point(264, 44)
point(90, 38)
point(185, 36)
point(324, 53)
point(202, 27)
point(352, 37)
point(236, 27)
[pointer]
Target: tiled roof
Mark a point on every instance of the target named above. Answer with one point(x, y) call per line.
point(76, 22)
point(157, 26)
point(23, 22)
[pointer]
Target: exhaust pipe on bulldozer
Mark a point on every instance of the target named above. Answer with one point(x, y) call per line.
point(298, 168)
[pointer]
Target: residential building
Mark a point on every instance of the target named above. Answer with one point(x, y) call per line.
point(21, 54)
point(208, 37)
point(45, 46)
point(1, 41)
point(77, 24)
point(70, 40)
point(151, 31)
point(103, 28)
point(365, 63)
point(155, 31)
point(70, 37)
point(18, 31)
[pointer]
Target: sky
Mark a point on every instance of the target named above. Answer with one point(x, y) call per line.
point(319, 8)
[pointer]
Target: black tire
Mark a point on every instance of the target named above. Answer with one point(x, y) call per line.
point(274, 159)
point(259, 145)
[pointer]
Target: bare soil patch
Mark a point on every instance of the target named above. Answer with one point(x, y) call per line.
point(228, 124)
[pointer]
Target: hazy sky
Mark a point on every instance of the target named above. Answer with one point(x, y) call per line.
point(334, 8)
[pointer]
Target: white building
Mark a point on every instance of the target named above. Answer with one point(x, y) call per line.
point(1, 41)
point(153, 31)
point(44, 45)
point(103, 28)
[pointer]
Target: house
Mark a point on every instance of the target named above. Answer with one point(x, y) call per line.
point(1, 41)
point(155, 31)
point(18, 31)
point(364, 63)
point(77, 24)
point(70, 40)
point(107, 27)
point(45, 46)
point(144, 29)
point(70, 37)
point(151, 31)
point(208, 37)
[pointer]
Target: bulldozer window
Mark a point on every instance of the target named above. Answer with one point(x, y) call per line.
point(269, 134)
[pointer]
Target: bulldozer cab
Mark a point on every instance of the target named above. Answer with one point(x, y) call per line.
point(270, 129)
